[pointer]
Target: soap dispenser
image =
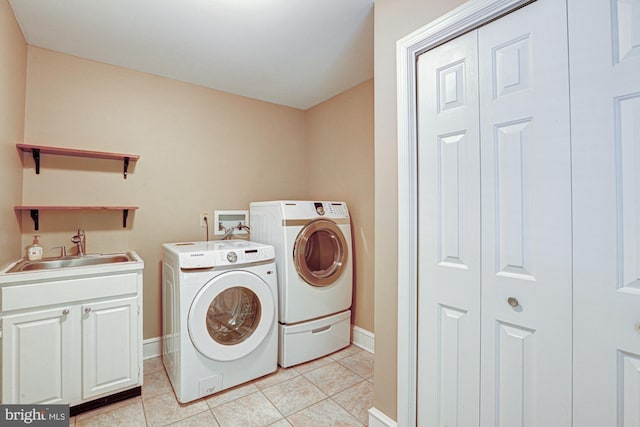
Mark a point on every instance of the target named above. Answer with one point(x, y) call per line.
point(35, 250)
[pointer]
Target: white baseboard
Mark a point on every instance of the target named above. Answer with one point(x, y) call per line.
point(151, 348)
point(362, 338)
point(378, 419)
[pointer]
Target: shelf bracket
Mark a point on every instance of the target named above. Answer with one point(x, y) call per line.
point(126, 166)
point(36, 158)
point(35, 216)
point(125, 214)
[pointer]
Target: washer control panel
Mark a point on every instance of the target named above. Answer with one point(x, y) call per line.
point(244, 256)
point(211, 254)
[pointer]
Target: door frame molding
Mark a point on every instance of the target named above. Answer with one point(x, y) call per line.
point(465, 18)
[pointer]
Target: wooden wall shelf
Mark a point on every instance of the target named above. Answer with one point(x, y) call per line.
point(35, 211)
point(36, 150)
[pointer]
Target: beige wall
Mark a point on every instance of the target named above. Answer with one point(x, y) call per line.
point(393, 20)
point(200, 150)
point(13, 71)
point(340, 152)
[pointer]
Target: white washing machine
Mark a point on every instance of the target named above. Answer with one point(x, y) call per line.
point(219, 315)
point(312, 241)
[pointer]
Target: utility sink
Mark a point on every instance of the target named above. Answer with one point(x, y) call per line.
point(71, 261)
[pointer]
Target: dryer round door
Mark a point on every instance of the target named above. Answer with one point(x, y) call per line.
point(320, 252)
point(231, 315)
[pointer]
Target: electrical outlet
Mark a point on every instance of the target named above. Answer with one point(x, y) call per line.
point(205, 218)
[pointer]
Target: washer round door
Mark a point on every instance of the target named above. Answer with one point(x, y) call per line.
point(320, 252)
point(231, 315)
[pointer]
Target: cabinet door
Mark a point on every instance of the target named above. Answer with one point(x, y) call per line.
point(526, 218)
point(604, 41)
point(40, 356)
point(110, 346)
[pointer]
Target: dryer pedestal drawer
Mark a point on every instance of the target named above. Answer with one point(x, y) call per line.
point(310, 340)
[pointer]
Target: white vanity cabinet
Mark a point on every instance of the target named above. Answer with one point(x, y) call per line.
point(71, 339)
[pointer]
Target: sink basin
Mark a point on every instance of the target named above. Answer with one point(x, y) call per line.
point(70, 261)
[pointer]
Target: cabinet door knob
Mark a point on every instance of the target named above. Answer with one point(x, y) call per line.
point(87, 309)
point(65, 312)
point(513, 302)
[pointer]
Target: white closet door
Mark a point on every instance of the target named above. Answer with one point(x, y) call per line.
point(605, 109)
point(449, 239)
point(526, 218)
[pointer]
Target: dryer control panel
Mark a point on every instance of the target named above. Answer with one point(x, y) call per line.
point(306, 210)
point(331, 209)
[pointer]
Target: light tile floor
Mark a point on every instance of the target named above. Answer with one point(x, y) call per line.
point(336, 390)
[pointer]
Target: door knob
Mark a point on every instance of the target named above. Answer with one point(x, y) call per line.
point(65, 312)
point(513, 302)
point(87, 309)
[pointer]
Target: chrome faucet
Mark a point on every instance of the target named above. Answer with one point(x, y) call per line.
point(81, 242)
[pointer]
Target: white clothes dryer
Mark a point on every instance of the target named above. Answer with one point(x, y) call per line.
point(312, 241)
point(219, 315)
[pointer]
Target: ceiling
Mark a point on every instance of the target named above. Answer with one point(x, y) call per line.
point(296, 53)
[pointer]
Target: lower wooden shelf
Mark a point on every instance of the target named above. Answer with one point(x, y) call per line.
point(35, 211)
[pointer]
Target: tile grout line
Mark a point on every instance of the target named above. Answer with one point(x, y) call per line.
point(341, 390)
point(346, 410)
point(144, 411)
point(301, 409)
point(272, 403)
point(331, 396)
point(213, 414)
point(332, 400)
point(193, 415)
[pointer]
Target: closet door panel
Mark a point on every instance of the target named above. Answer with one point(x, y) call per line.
point(605, 108)
point(449, 239)
point(526, 218)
